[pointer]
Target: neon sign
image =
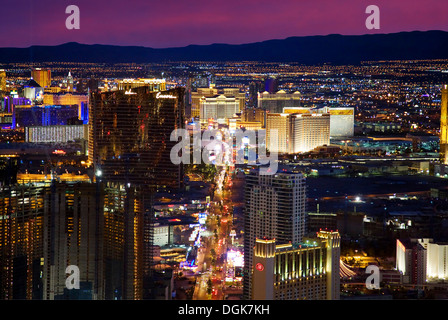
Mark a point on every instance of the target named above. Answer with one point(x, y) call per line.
point(259, 267)
point(159, 95)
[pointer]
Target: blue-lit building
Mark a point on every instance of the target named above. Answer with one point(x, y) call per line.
point(9, 103)
point(84, 112)
point(44, 115)
point(33, 91)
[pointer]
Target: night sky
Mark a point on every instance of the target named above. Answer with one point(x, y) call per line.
point(172, 23)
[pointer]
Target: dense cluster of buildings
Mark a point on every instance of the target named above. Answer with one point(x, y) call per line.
point(103, 219)
point(103, 225)
point(48, 226)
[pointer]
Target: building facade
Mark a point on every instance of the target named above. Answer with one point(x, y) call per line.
point(21, 241)
point(219, 108)
point(211, 92)
point(297, 132)
point(41, 76)
point(254, 115)
point(152, 84)
point(2, 80)
point(276, 102)
point(411, 260)
point(56, 134)
point(307, 270)
point(28, 115)
point(96, 227)
point(444, 126)
point(342, 119)
point(129, 135)
point(309, 131)
point(437, 256)
point(70, 98)
point(274, 208)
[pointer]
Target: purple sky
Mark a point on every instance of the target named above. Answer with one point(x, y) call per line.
point(172, 23)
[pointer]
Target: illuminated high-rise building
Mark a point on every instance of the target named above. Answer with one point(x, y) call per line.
point(282, 124)
point(342, 119)
point(254, 115)
point(271, 84)
point(69, 85)
point(56, 134)
point(197, 95)
point(254, 88)
point(211, 92)
point(97, 227)
point(2, 80)
point(274, 209)
point(411, 260)
point(29, 115)
point(42, 77)
point(129, 147)
point(296, 271)
point(275, 102)
point(437, 255)
point(152, 84)
point(444, 126)
point(421, 261)
point(127, 260)
point(10, 103)
point(219, 108)
point(21, 241)
point(239, 95)
point(70, 98)
point(129, 135)
point(310, 131)
point(33, 91)
point(72, 235)
point(297, 132)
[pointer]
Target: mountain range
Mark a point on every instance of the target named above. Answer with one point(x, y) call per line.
point(334, 49)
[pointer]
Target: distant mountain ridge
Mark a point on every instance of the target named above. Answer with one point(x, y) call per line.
point(334, 48)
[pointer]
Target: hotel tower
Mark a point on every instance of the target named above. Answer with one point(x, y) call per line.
point(444, 126)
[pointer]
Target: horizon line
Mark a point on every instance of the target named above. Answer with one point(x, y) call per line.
point(221, 43)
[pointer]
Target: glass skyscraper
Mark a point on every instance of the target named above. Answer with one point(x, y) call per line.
point(129, 135)
point(444, 126)
point(129, 148)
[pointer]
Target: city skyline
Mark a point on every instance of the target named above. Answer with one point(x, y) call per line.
point(381, 154)
point(146, 168)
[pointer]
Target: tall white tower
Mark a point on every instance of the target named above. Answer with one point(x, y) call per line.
point(274, 209)
point(444, 126)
